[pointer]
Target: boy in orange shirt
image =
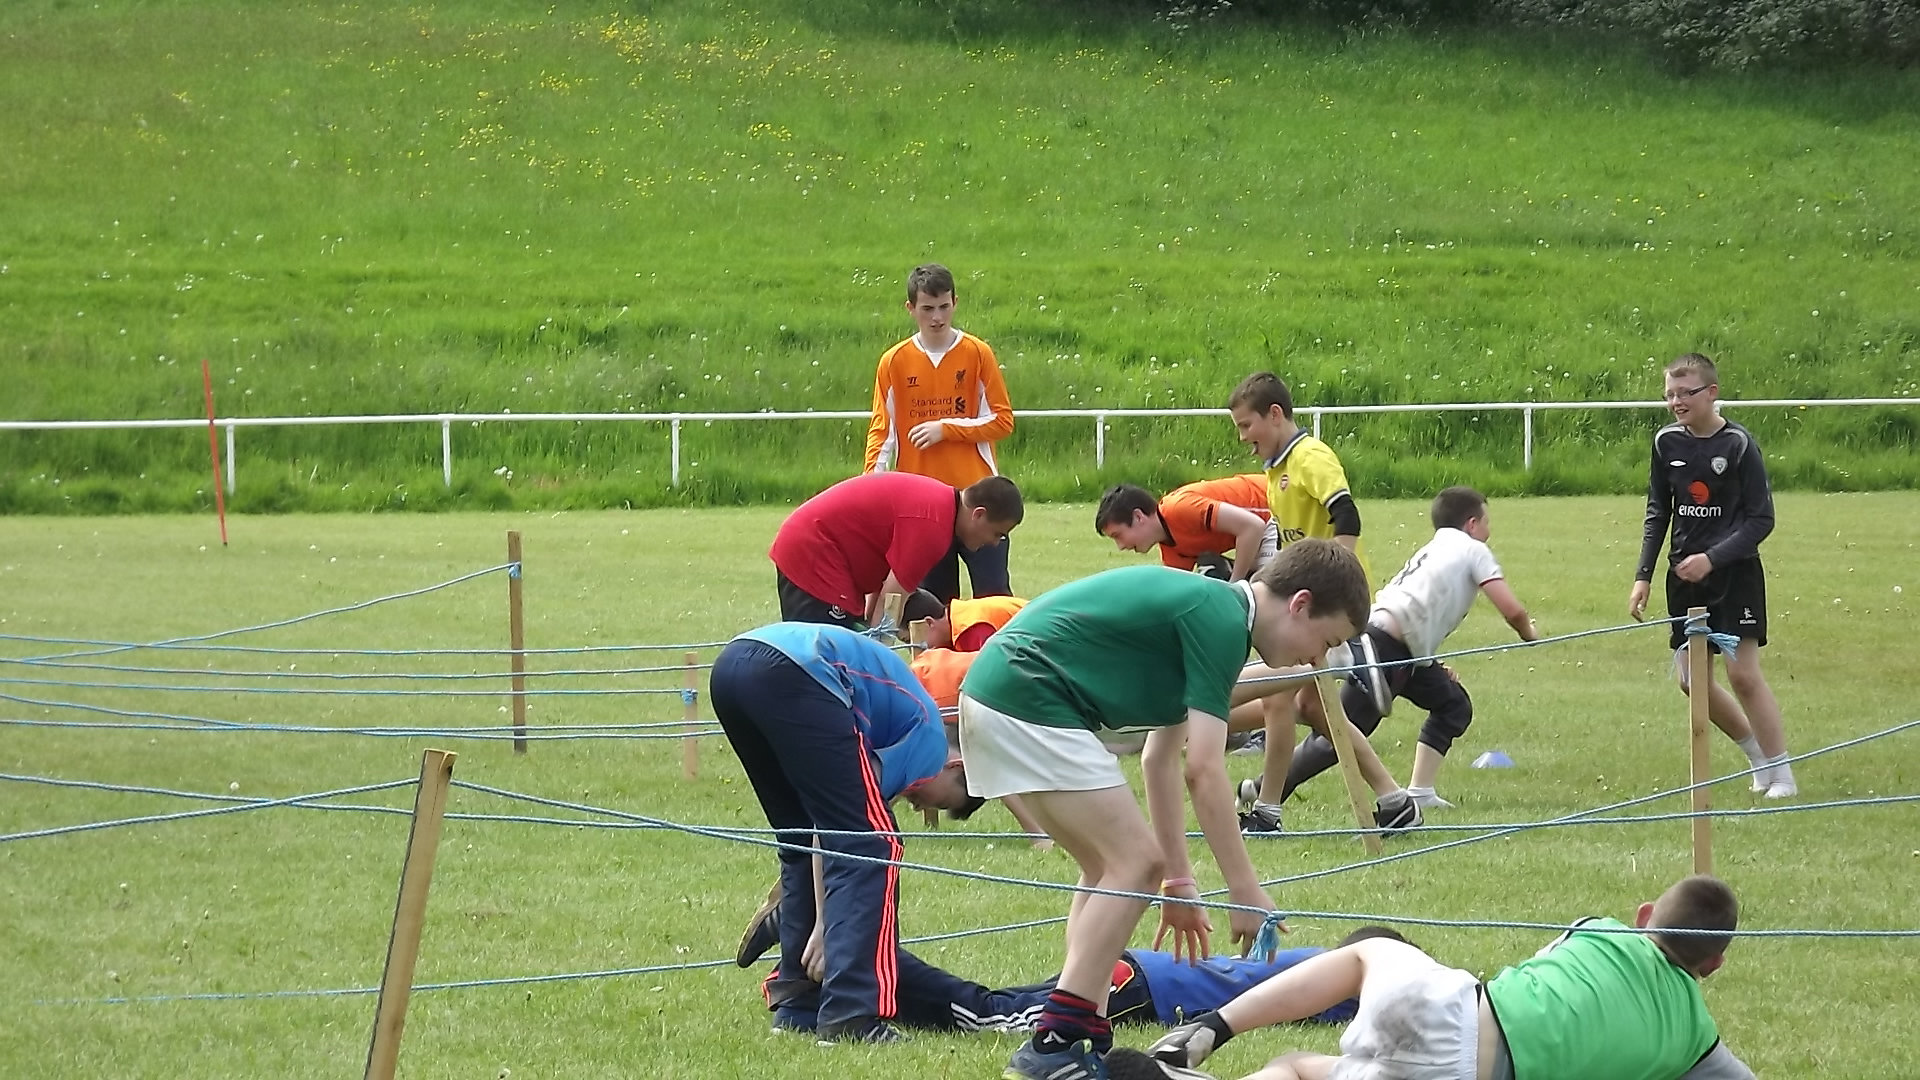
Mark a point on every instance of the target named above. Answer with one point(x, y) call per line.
point(939, 405)
point(1196, 523)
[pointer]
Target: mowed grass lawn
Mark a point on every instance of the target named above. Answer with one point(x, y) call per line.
point(288, 899)
point(493, 205)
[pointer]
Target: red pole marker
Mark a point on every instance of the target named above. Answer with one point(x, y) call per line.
point(213, 448)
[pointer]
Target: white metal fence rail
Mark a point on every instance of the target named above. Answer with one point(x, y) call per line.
point(674, 420)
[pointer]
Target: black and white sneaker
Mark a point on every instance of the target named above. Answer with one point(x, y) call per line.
point(1126, 1063)
point(762, 932)
point(1369, 676)
point(1397, 813)
point(1247, 795)
point(1255, 743)
point(1263, 818)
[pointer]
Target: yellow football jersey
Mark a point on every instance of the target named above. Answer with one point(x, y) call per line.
point(1302, 480)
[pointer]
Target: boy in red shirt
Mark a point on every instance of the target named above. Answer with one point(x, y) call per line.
point(939, 405)
point(841, 552)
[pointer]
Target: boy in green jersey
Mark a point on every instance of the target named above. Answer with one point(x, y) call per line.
point(1144, 648)
point(1599, 1003)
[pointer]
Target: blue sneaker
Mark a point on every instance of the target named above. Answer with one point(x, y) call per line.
point(1076, 1062)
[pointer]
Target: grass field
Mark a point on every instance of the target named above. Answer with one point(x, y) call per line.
point(289, 899)
point(490, 205)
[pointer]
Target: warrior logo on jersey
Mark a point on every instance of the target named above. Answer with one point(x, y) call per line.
point(1698, 489)
point(1719, 465)
point(913, 380)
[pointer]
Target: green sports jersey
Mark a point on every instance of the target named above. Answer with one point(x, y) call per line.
point(1123, 650)
point(1601, 1006)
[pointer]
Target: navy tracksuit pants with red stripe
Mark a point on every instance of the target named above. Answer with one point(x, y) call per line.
point(811, 767)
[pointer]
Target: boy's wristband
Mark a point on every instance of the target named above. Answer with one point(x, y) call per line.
point(1176, 882)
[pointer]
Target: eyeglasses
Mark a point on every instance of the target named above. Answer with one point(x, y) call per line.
point(1682, 395)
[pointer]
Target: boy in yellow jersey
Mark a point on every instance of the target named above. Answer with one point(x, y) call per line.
point(1307, 492)
point(939, 405)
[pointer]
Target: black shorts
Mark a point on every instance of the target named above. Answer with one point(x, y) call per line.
point(1735, 597)
point(798, 605)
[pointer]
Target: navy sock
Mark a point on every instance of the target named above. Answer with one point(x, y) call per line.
point(1069, 1018)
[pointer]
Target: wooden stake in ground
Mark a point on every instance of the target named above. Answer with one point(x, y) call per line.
point(917, 637)
point(690, 703)
point(1337, 730)
point(409, 914)
point(517, 641)
point(1699, 686)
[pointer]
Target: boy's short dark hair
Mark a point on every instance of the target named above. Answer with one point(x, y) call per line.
point(931, 279)
point(1368, 933)
point(1456, 506)
point(999, 496)
point(1327, 570)
point(1261, 391)
point(974, 802)
point(1700, 902)
point(1696, 364)
point(1120, 503)
point(921, 604)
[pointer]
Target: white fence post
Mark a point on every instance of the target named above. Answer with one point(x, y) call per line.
point(229, 459)
point(676, 452)
point(1526, 438)
point(1099, 440)
point(446, 452)
point(1316, 423)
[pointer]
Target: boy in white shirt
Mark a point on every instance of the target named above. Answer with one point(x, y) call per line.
point(1413, 615)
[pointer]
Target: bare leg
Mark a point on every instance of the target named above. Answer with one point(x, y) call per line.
point(1107, 835)
point(1027, 823)
point(1755, 698)
point(1722, 708)
point(1280, 717)
point(1299, 1065)
point(1371, 768)
point(1426, 766)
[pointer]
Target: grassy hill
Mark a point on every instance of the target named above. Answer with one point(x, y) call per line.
point(487, 206)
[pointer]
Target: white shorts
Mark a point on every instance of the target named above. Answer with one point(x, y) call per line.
point(1005, 755)
point(1418, 1020)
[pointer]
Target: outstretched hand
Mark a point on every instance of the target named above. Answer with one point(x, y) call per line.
point(1189, 925)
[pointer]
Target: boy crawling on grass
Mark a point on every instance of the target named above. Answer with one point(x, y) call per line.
point(1598, 1003)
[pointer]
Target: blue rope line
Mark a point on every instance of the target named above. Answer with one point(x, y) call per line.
point(133, 714)
point(970, 875)
point(533, 734)
point(960, 834)
point(362, 605)
point(121, 646)
point(371, 691)
point(149, 819)
point(1728, 644)
point(63, 665)
point(1306, 673)
point(1570, 818)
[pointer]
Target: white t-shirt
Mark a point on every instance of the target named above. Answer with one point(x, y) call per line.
point(1432, 593)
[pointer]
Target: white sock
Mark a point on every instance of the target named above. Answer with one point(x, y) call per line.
point(1751, 747)
point(1416, 792)
point(1781, 772)
point(1395, 797)
point(1272, 807)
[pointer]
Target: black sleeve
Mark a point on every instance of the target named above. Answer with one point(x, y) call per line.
point(1659, 516)
point(1755, 514)
point(1345, 515)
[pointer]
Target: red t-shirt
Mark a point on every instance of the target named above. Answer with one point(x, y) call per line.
point(839, 545)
